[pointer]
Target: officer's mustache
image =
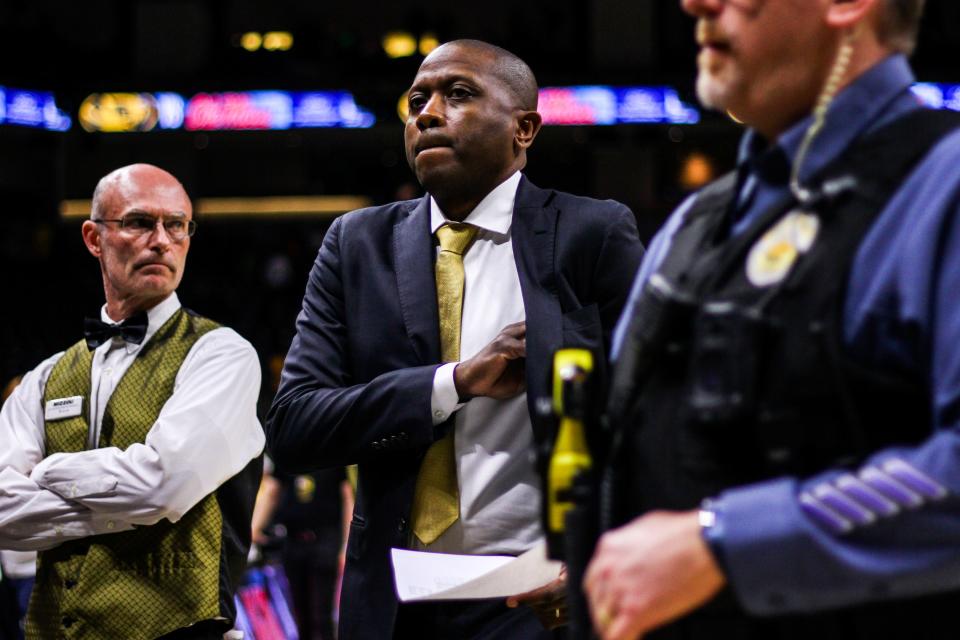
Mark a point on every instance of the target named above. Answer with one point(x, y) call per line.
point(709, 35)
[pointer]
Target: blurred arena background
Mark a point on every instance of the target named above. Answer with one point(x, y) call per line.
point(266, 196)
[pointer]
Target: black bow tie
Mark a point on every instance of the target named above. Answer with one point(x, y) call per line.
point(133, 329)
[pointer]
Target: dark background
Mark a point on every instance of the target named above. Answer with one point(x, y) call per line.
point(250, 273)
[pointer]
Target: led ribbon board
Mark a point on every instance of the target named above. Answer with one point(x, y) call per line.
point(938, 96)
point(238, 110)
point(116, 112)
point(603, 105)
point(37, 109)
point(274, 110)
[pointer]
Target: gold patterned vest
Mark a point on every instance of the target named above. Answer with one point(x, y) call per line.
point(149, 581)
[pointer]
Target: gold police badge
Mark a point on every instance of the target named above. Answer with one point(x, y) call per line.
point(772, 256)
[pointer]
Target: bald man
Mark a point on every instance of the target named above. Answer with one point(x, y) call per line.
point(371, 377)
point(131, 460)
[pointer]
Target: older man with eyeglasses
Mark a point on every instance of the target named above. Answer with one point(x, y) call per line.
point(131, 460)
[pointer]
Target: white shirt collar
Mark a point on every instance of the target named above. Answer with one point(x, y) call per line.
point(494, 213)
point(156, 316)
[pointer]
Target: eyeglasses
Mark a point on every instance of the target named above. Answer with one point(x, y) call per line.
point(139, 224)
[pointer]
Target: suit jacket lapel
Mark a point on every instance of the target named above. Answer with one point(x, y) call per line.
point(534, 230)
point(413, 265)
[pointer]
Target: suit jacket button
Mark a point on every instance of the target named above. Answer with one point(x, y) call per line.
point(402, 525)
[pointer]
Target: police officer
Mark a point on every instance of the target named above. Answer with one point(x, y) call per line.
point(788, 369)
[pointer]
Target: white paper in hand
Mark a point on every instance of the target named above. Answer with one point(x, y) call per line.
point(421, 575)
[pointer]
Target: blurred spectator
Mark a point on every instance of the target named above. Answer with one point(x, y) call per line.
point(313, 511)
point(268, 496)
point(309, 515)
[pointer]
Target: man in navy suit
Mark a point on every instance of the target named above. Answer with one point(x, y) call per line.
point(364, 381)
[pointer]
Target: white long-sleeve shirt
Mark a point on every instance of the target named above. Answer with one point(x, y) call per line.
point(206, 433)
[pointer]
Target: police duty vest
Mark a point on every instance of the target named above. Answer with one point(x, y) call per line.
point(155, 579)
point(733, 368)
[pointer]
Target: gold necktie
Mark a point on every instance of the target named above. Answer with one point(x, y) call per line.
point(436, 501)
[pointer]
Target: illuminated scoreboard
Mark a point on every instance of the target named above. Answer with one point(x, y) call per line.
point(274, 110)
point(36, 109)
point(603, 105)
point(586, 105)
point(938, 96)
point(230, 111)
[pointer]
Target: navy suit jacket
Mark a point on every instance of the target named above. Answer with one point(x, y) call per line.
point(357, 380)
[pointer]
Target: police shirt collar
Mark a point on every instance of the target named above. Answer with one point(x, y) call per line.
point(856, 110)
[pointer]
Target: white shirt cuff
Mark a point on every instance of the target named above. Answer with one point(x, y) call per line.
point(444, 399)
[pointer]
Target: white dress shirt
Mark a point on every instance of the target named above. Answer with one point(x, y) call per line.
point(18, 564)
point(206, 433)
point(493, 439)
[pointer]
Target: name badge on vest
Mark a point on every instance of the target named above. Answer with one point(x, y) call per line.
point(60, 408)
point(775, 252)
